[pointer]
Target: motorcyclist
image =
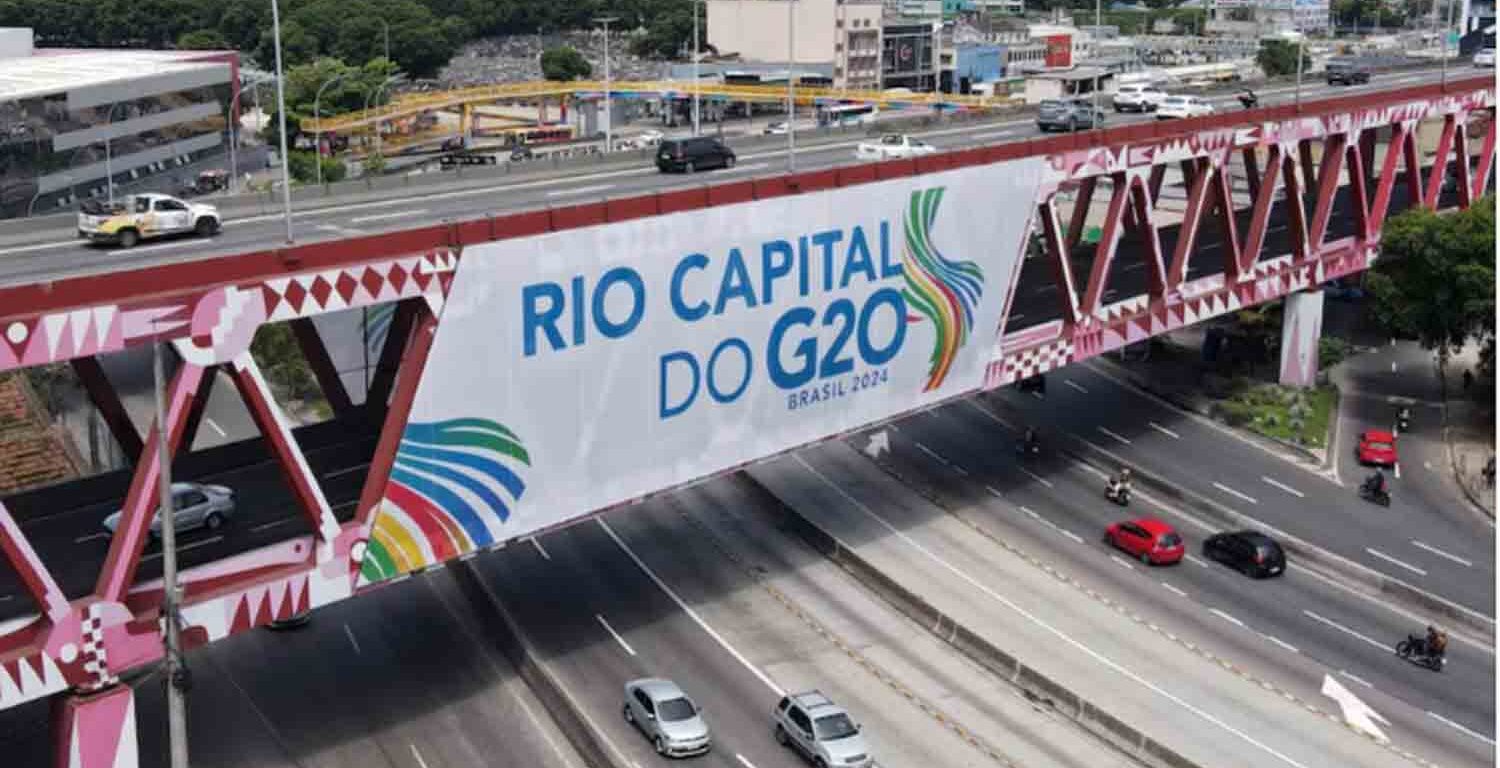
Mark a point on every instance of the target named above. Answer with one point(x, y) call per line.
point(1403, 418)
point(1376, 483)
point(1437, 642)
point(1031, 441)
point(1249, 99)
point(1120, 483)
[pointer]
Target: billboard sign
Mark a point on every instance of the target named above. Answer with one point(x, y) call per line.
point(581, 369)
point(1059, 51)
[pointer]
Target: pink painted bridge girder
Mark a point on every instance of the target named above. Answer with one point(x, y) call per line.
point(205, 307)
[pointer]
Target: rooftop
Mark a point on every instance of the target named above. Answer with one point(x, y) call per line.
point(54, 70)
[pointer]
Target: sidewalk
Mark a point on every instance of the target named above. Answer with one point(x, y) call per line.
point(1469, 433)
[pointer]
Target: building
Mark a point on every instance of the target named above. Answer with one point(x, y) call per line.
point(1001, 7)
point(1256, 18)
point(910, 55)
point(70, 119)
point(977, 63)
point(842, 33)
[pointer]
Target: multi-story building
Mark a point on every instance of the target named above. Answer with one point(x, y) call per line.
point(843, 33)
point(911, 55)
point(72, 119)
point(1266, 17)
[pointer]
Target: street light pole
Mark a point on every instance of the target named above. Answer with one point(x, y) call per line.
point(695, 66)
point(374, 93)
point(109, 167)
point(1297, 98)
point(286, 172)
point(1443, 41)
point(318, 115)
point(791, 85)
point(1098, 31)
point(387, 28)
point(609, 118)
point(176, 669)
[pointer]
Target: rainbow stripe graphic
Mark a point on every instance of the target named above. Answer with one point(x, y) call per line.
point(450, 492)
point(943, 291)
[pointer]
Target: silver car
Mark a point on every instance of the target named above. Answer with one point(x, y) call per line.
point(197, 506)
point(667, 717)
point(822, 731)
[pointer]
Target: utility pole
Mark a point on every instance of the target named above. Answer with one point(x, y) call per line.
point(286, 171)
point(176, 668)
point(1297, 98)
point(791, 85)
point(1098, 46)
point(609, 118)
point(695, 66)
point(1443, 40)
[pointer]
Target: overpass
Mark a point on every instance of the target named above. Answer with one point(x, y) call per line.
point(883, 257)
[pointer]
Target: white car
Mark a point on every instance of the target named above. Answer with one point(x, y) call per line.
point(1484, 57)
point(141, 217)
point(1138, 98)
point(775, 129)
point(893, 147)
point(194, 506)
point(1183, 106)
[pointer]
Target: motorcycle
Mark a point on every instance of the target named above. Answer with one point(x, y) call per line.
point(1414, 650)
point(1371, 493)
point(1119, 494)
point(1029, 447)
point(1403, 422)
point(1249, 100)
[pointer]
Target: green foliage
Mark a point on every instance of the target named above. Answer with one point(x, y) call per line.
point(374, 164)
point(1436, 277)
point(565, 63)
point(1331, 352)
point(276, 352)
point(202, 40)
point(1279, 57)
point(1296, 415)
point(303, 166)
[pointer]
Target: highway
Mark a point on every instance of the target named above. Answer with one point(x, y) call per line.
point(28, 254)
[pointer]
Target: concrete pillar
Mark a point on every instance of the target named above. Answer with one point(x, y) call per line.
point(1301, 328)
point(95, 730)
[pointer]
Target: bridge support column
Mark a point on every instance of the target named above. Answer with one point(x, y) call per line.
point(1301, 328)
point(96, 730)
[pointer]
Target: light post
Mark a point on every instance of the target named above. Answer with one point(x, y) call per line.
point(1297, 97)
point(695, 66)
point(286, 172)
point(109, 168)
point(609, 117)
point(318, 115)
point(376, 92)
point(1098, 32)
point(1443, 41)
point(791, 85)
point(176, 671)
point(387, 33)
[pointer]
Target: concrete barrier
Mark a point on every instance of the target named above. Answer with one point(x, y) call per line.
point(506, 634)
point(1036, 686)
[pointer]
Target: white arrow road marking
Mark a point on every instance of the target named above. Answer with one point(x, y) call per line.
point(1357, 714)
point(880, 442)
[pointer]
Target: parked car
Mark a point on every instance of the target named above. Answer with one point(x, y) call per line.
point(195, 505)
point(1147, 538)
point(1138, 98)
point(1251, 552)
point(810, 723)
point(1176, 106)
point(775, 129)
point(667, 717)
point(1346, 72)
point(1378, 447)
point(1067, 115)
point(693, 154)
point(1484, 57)
point(893, 147)
point(142, 217)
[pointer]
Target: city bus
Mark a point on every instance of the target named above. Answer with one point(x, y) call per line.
point(846, 114)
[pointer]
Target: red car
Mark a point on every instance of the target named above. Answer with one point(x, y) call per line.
point(1147, 538)
point(1377, 446)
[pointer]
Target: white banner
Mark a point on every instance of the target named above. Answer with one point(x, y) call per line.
point(577, 370)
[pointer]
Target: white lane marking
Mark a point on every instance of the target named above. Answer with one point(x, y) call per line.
point(580, 190)
point(1045, 289)
point(1280, 642)
point(1356, 678)
point(92, 536)
point(1461, 729)
point(349, 633)
point(1132, 267)
point(418, 755)
point(751, 167)
point(1122, 440)
point(1482, 647)
point(614, 634)
point(270, 525)
point(994, 492)
point(960, 470)
point(1120, 561)
point(6, 598)
point(1441, 553)
point(743, 761)
point(386, 216)
point(1396, 562)
point(1071, 535)
point(1226, 617)
point(1075, 385)
point(214, 425)
point(1163, 430)
point(1346, 630)
point(1174, 590)
point(535, 542)
point(1283, 486)
point(933, 454)
point(1396, 470)
point(337, 230)
point(1031, 513)
point(1195, 561)
point(1233, 492)
point(687, 609)
point(345, 471)
point(1039, 622)
point(185, 547)
point(1036, 477)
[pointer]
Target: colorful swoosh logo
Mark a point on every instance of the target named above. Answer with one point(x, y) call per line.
point(450, 492)
point(944, 291)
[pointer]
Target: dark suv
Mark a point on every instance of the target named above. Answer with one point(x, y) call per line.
point(1347, 72)
point(695, 154)
point(1255, 554)
point(1067, 115)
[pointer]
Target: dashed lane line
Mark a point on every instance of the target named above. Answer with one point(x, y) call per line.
point(1174, 590)
point(1163, 430)
point(417, 756)
point(1278, 641)
point(743, 761)
point(349, 633)
point(1462, 729)
point(1283, 486)
point(1356, 678)
point(1226, 617)
point(535, 542)
point(612, 633)
point(1396, 561)
point(1121, 561)
point(388, 216)
point(1340, 627)
point(1233, 492)
point(1442, 554)
point(1106, 431)
point(186, 547)
point(345, 471)
point(1076, 385)
point(92, 536)
point(1036, 477)
point(932, 453)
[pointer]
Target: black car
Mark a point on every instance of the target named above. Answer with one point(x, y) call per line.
point(695, 154)
point(1067, 115)
point(1347, 72)
point(1256, 554)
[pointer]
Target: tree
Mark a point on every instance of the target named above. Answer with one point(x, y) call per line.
point(1279, 57)
point(565, 63)
point(1436, 277)
point(202, 40)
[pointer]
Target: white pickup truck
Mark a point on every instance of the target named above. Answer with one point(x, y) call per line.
point(893, 147)
point(142, 217)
